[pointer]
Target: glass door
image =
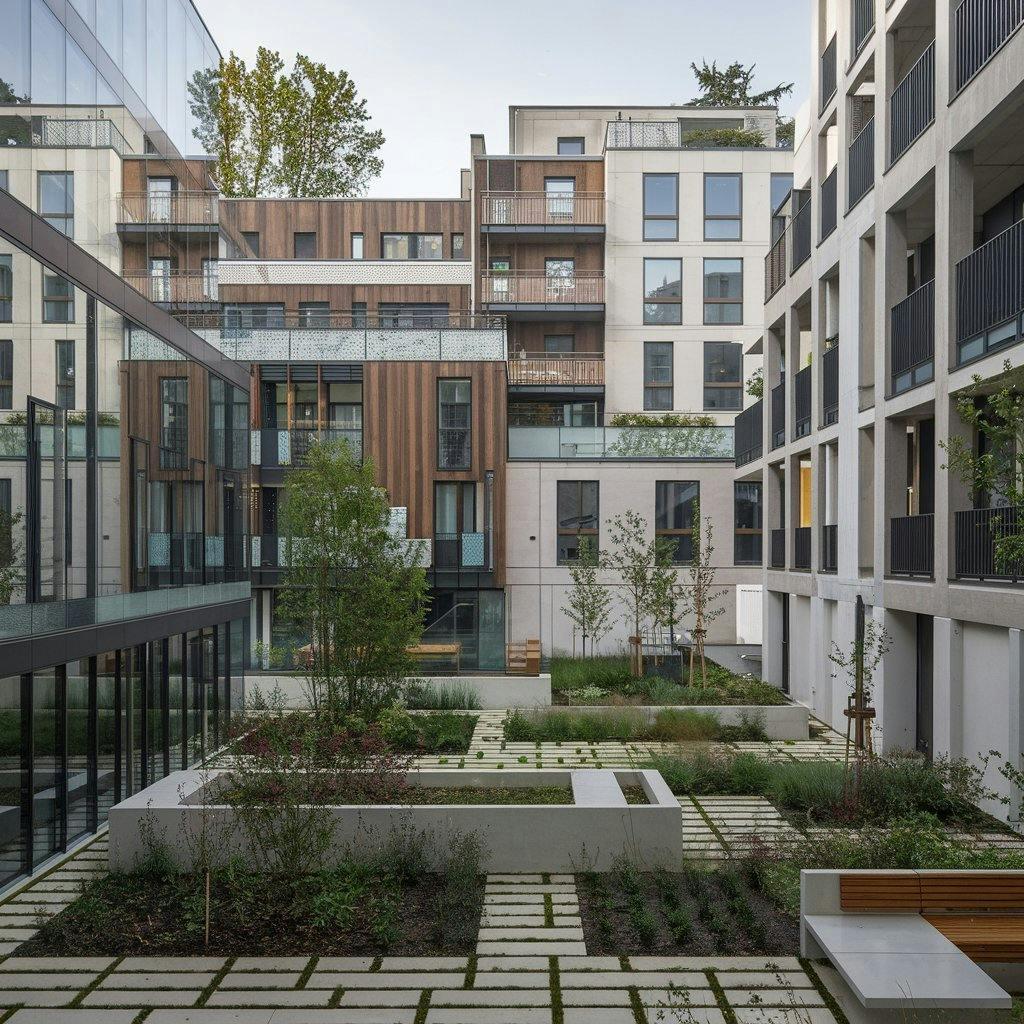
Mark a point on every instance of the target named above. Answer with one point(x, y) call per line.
point(46, 534)
point(560, 193)
point(158, 196)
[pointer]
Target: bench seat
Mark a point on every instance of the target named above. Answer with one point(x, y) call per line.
point(985, 938)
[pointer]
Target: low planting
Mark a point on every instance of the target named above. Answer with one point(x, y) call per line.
point(670, 725)
point(423, 695)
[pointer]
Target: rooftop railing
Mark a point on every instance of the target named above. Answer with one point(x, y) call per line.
point(42, 132)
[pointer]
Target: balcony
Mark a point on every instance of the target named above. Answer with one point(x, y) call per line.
point(358, 337)
point(827, 75)
point(829, 548)
point(829, 204)
point(749, 427)
point(777, 555)
point(176, 289)
point(912, 105)
point(182, 212)
point(975, 534)
point(861, 165)
point(779, 415)
point(42, 132)
point(271, 551)
point(801, 231)
point(453, 551)
point(990, 295)
point(688, 444)
point(912, 339)
point(980, 27)
point(912, 545)
point(676, 134)
point(830, 382)
point(863, 22)
point(802, 403)
point(534, 295)
point(543, 216)
point(802, 547)
point(540, 370)
point(273, 447)
point(775, 266)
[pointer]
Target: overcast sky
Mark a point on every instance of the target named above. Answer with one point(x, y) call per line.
point(433, 71)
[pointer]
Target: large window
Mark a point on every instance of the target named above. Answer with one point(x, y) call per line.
point(661, 207)
point(657, 375)
point(675, 502)
point(723, 207)
point(723, 375)
point(723, 291)
point(65, 364)
point(57, 200)
point(748, 511)
point(571, 145)
point(559, 344)
point(241, 315)
point(304, 245)
point(458, 245)
point(454, 407)
point(6, 288)
point(6, 373)
point(578, 517)
point(412, 314)
point(173, 423)
point(663, 291)
point(58, 299)
point(252, 240)
point(411, 247)
point(314, 314)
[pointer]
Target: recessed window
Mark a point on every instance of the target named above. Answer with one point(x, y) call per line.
point(661, 207)
point(578, 518)
point(411, 247)
point(571, 145)
point(458, 246)
point(781, 186)
point(6, 373)
point(252, 240)
point(412, 314)
point(723, 291)
point(657, 375)
point(4, 182)
point(314, 314)
point(747, 537)
point(723, 375)
point(173, 423)
point(6, 288)
point(723, 207)
point(304, 245)
point(454, 406)
point(674, 504)
point(559, 344)
point(57, 200)
point(58, 299)
point(357, 245)
point(253, 314)
point(65, 369)
point(663, 291)
point(359, 314)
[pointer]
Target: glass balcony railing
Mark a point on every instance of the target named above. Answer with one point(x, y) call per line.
point(108, 441)
point(685, 443)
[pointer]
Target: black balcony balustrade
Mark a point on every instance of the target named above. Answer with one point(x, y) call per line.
point(778, 551)
point(454, 551)
point(863, 22)
point(830, 381)
point(829, 203)
point(829, 548)
point(912, 545)
point(975, 534)
point(779, 415)
point(775, 266)
point(980, 27)
point(912, 105)
point(861, 165)
point(801, 235)
point(912, 339)
point(827, 82)
point(749, 430)
point(802, 403)
point(802, 547)
point(990, 295)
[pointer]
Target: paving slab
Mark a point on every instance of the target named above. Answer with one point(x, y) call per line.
point(33, 1016)
point(269, 997)
point(197, 980)
point(141, 998)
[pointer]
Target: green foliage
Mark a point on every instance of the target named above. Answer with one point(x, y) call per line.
point(12, 569)
point(275, 133)
point(607, 671)
point(730, 87)
point(665, 419)
point(755, 384)
point(588, 604)
point(671, 725)
point(422, 695)
point(397, 727)
point(724, 138)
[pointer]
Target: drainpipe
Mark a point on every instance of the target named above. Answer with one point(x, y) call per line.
point(489, 516)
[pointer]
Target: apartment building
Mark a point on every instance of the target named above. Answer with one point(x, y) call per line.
point(894, 278)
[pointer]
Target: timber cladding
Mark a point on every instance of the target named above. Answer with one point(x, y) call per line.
point(335, 220)
point(400, 436)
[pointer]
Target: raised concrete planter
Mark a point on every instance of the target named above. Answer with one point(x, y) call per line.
point(593, 831)
point(492, 692)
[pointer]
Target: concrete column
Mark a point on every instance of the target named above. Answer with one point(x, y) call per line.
point(771, 649)
point(1015, 717)
point(948, 687)
point(894, 483)
point(896, 683)
point(818, 662)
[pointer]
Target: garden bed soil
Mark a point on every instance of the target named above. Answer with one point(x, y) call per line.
point(258, 915)
point(691, 913)
point(420, 796)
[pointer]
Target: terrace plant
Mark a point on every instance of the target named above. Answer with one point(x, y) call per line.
point(701, 599)
point(588, 603)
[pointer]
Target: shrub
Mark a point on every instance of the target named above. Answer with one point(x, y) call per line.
point(749, 730)
point(812, 787)
point(397, 727)
point(609, 672)
point(679, 726)
point(422, 695)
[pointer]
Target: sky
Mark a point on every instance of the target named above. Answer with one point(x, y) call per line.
point(433, 72)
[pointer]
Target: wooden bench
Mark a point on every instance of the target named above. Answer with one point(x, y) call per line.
point(430, 652)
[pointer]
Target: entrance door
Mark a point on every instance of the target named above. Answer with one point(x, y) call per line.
point(560, 194)
point(924, 684)
point(158, 195)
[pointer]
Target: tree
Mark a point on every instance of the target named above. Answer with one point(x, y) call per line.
point(701, 599)
point(730, 87)
point(994, 470)
point(588, 606)
point(755, 384)
point(636, 561)
point(351, 584)
point(12, 571)
point(300, 133)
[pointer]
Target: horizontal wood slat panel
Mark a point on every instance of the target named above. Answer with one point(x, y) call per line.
point(989, 938)
point(972, 891)
point(880, 892)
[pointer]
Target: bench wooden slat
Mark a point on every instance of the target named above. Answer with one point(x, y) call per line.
point(989, 938)
point(889, 892)
point(976, 890)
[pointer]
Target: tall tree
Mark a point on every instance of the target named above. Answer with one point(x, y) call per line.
point(730, 87)
point(588, 604)
point(304, 132)
point(351, 585)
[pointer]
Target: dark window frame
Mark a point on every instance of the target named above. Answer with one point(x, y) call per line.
point(65, 302)
point(173, 427)
point(442, 427)
point(314, 314)
point(62, 220)
point(723, 217)
point(571, 140)
point(461, 236)
point(681, 536)
point(718, 301)
point(64, 391)
point(247, 237)
point(305, 236)
point(721, 384)
point(412, 241)
point(669, 302)
point(556, 350)
point(654, 387)
point(353, 236)
point(748, 531)
point(6, 288)
point(6, 373)
point(660, 217)
point(577, 532)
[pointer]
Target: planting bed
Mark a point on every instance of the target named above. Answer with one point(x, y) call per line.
point(421, 796)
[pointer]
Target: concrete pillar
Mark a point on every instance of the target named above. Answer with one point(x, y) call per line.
point(896, 683)
point(894, 483)
point(1015, 718)
point(948, 687)
point(818, 662)
point(771, 649)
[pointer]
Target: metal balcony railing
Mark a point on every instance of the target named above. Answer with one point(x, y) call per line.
point(802, 547)
point(182, 207)
point(912, 105)
point(460, 550)
point(778, 411)
point(829, 548)
point(980, 27)
point(801, 231)
point(912, 339)
point(990, 294)
point(272, 447)
point(775, 266)
point(975, 534)
point(830, 383)
point(584, 287)
point(547, 208)
point(749, 426)
point(829, 204)
point(863, 22)
point(802, 403)
point(580, 370)
point(912, 545)
point(180, 288)
point(777, 555)
point(827, 78)
point(861, 164)
point(41, 132)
